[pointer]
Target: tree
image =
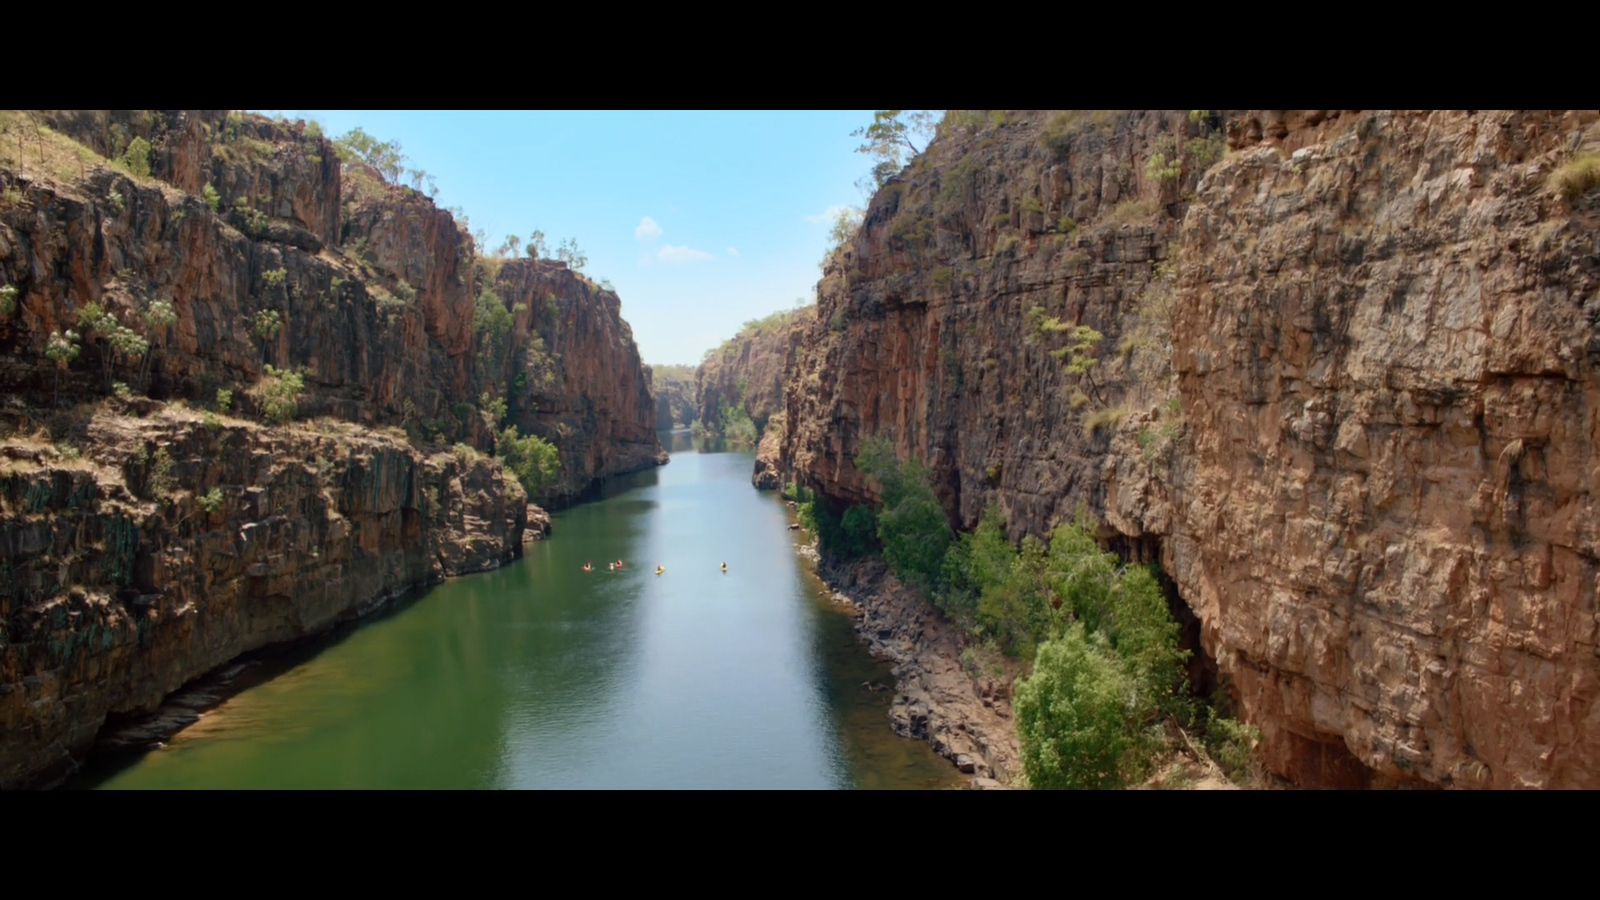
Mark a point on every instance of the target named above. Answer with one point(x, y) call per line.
point(117, 339)
point(357, 145)
point(532, 459)
point(1078, 354)
point(536, 246)
point(61, 349)
point(266, 324)
point(569, 253)
point(157, 317)
point(1072, 720)
point(845, 223)
point(509, 247)
point(892, 134)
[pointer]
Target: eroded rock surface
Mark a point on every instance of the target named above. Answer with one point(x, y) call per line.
point(1363, 448)
point(125, 575)
point(120, 586)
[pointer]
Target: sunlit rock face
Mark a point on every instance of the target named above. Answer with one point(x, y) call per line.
point(1362, 449)
point(123, 575)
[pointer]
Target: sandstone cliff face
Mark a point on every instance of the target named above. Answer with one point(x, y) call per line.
point(1390, 532)
point(119, 584)
point(584, 386)
point(367, 353)
point(922, 331)
point(1362, 449)
point(748, 369)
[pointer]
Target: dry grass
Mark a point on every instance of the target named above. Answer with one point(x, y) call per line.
point(34, 149)
point(1132, 212)
point(1105, 418)
point(1577, 177)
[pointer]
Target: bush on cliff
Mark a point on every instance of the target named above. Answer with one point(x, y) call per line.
point(278, 392)
point(534, 461)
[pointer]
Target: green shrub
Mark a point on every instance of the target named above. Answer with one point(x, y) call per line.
point(736, 425)
point(224, 400)
point(121, 391)
point(211, 500)
point(8, 301)
point(279, 394)
point(1072, 717)
point(211, 197)
point(535, 461)
point(1230, 743)
point(159, 480)
point(911, 524)
point(274, 277)
point(137, 159)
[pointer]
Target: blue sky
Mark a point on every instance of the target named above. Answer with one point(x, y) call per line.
point(701, 220)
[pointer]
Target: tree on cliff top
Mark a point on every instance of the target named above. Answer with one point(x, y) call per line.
point(892, 134)
point(358, 146)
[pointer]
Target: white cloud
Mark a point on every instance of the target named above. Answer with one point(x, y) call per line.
point(675, 255)
point(733, 251)
point(648, 230)
point(828, 216)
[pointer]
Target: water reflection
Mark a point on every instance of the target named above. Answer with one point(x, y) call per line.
point(543, 675)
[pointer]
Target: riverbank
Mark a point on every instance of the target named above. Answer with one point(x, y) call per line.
point(962, 710)
point(966, 719)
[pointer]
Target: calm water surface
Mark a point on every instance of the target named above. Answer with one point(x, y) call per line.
point(539, 675)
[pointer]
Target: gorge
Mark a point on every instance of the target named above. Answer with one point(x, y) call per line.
point(1326, 375)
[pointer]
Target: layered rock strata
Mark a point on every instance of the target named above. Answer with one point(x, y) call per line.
point(145, 542)
point(1342, 395)
point(167, 546)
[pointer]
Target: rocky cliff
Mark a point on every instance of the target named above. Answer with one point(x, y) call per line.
point(144, 541)
point(1342, 391)
point(747, 370)
point(576, 378)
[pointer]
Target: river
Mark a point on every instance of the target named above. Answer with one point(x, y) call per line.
point(539, 675)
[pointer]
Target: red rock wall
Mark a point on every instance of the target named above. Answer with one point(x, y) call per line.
point(586, 388)
point(113, 596)
point(1365, 460)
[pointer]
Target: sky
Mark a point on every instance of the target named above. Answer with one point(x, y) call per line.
point(701, 220)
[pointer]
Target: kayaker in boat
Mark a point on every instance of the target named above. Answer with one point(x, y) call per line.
point(587, 567)
point(724, 567)
point(660, 569)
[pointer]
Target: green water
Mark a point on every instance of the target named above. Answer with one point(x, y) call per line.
point(539, 675)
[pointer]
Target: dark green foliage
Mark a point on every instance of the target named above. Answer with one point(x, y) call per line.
point(534, 461)
point(736, 425)
point(137, 159)
point(846, 537)
point(491, 322)
point(980, 558)
point(911, 524)
point(1072, 717)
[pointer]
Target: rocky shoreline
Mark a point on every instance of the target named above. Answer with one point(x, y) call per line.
point(967, 720)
